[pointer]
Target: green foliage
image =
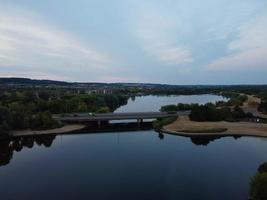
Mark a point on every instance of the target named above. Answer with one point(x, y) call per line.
point(32, 108)
point(205, 113)
point(258, 186)
point(168, 108)
point(104, 109)
point(178, 107)
point(42, 120)
point(159, 123)
point(263, 107)
point(183, 107)
point(235, 99)
point(209, 112)
point(263, 168)
point(238, 113)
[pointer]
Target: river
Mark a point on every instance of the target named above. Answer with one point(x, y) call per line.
point(131, 165)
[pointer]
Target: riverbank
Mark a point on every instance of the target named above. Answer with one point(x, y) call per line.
point(65, 129)
point(184, 126)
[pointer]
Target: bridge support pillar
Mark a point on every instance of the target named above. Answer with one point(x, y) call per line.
point(98, 123)
point(139, 121)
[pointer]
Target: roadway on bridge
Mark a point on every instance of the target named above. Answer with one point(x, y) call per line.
point(85, 117)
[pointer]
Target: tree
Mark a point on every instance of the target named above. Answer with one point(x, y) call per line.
point(103, 109)
point(262, 168)
point(258, 186)
point(168, 108)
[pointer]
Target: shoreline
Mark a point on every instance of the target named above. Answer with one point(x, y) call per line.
point(183, 126)
point(57, 131)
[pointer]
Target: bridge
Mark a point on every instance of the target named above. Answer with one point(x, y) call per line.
point(104, 117)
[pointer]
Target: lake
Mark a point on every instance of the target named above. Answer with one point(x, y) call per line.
point(131, 165)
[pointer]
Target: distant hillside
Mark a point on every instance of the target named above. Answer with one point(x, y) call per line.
point(153, 88)
point(27, 81)
point(34, 82)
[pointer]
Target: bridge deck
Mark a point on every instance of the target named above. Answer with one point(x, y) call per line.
point(85, 117)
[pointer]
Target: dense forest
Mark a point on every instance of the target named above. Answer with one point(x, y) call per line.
point(33, 108)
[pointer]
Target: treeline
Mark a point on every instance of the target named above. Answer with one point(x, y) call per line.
point(209, 112)
point(33, 108)
point(178, 107)
point(137, 88)
point(235, 100)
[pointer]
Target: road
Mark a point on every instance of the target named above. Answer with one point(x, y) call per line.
point(85, 117)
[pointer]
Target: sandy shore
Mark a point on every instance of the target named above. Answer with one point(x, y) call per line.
point(183, 126)
point(64, 129)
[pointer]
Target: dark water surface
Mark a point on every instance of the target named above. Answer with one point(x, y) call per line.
point(129, 165)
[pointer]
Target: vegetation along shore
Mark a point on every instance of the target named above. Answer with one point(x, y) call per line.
point(222, 118)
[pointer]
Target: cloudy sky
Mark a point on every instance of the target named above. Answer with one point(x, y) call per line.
point(170, 41)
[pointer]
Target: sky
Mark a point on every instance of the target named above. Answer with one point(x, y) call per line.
point(150, 41)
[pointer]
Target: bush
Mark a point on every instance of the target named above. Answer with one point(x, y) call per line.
point(159, 123)
point(258, 186)
point(178, 107)
point(262, 168)
point(168, 108)
point(263, 107)
point(104, 109)
point(238, 113)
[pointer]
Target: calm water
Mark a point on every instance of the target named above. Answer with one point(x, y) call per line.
point(129, 165)
point(153, 103)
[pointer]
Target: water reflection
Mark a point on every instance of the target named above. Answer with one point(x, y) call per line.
point(8, 146)
point(202, 140)
point(116, 127)
point(205, 140)
point(161, 136)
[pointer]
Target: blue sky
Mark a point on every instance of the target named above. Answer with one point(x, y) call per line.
point(175, 42)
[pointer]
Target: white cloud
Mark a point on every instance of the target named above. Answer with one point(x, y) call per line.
point(249, 50)
point(28, 40)
point(156, 31)
point(174, 55)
